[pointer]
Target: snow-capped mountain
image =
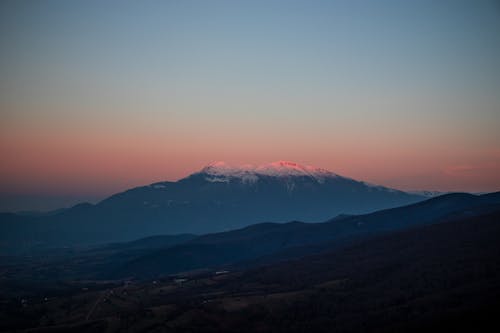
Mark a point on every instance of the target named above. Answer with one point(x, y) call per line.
point(218, 197)
point(221, 171)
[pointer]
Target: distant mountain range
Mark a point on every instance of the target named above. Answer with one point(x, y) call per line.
point(217, 198)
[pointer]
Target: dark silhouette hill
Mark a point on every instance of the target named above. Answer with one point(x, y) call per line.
point(272, 241)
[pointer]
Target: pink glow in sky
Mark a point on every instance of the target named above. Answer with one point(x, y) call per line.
point(95, 100)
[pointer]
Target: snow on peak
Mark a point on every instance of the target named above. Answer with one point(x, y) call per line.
point(286, 168)
point(221, 172)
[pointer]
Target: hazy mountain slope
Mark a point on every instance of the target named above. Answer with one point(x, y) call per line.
point(160, 241)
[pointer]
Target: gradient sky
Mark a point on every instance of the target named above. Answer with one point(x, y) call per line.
point(100, 96)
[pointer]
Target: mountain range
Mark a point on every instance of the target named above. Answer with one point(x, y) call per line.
point(217, 198)
point(252, 246)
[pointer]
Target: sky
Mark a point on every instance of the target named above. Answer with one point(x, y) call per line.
point(100, 96)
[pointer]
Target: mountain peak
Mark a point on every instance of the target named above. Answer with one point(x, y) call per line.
point(215, 167)
point(221, 171)
point(287, 168)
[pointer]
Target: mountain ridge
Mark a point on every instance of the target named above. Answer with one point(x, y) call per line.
point(216, 198)
point(274, 241)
